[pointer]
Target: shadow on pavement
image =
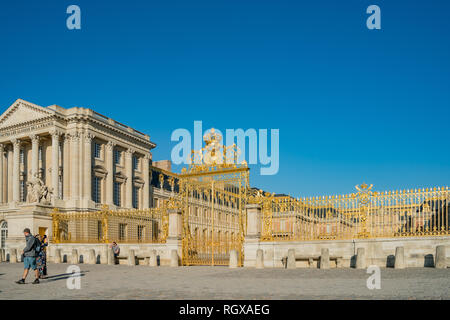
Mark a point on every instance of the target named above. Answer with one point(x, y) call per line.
point(65, 276)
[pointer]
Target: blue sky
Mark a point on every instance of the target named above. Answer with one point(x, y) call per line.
point(352, 105)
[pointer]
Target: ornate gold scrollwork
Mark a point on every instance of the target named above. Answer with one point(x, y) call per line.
point(364, 195)
point(267, 214)
point(214, 156)
point(55, 225)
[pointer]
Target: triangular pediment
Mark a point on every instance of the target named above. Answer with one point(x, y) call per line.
point(22, 112)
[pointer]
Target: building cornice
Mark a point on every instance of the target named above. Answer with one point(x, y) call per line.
point(62, 118)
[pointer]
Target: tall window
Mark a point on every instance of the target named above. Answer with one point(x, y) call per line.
point(22, 156)
point(117, 194)
point(40, 153)
point(97, 150)
point(96, 190)
point(22, 191)
point(117, 156)
point(135, 197)
point(122, 231)
point(3, 234)
point(135, 163)
point(60, 188)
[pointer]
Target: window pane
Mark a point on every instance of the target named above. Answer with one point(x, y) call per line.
point(96, 190)
point(117, 193)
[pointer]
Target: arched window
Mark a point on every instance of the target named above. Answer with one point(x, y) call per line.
point(3, 234)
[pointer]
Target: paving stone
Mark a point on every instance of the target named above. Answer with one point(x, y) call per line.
point(141, 282)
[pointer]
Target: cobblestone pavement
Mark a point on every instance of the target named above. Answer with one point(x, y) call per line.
point(141, 282)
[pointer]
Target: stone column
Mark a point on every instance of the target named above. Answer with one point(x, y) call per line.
point(153, 261)
point(13, 255)
point(131, 258)
point(174, 260)
point(360, 258)
point(146, 188)
point(16, 171)
point(74, 165)
point(259, 259)
point(88, 166)
point(291, 264)
point(109, 162)
point(324, 258)
point(110, 258)
point(80, 157)
point(2, 149)
point(441, 257)
point(58, 257)
point(34, 155)
point(399, 258)
point(9, 167)
point(253, 234)
point(74, 259)
point(55, 163)
point(175, 225)
point(91, 257)
point(253, 221)
point(129, 182)
point(66, 167)
point(233, 259)
point(174, 236)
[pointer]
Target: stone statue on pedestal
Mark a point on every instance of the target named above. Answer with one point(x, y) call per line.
point(38, 192)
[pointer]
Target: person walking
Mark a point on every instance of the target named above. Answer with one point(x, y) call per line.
point(41, 259)
point(29, 254)
point(44, 246)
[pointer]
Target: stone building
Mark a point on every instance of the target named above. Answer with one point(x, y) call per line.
point(73, 159)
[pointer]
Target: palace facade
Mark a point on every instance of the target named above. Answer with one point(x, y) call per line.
point(60, 167)
point(73, 159)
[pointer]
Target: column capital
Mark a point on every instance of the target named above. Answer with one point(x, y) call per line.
point(88, 137)
point(16, 142)
point(110, 145)
point(66, 138)
point(55, 133)
point(130, 151)
point(148, 156)
point(34, 138)
point(74, 136)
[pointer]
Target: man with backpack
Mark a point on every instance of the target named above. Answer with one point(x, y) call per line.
point(29, 254)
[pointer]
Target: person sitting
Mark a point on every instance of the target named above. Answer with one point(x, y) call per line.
point(116, 251)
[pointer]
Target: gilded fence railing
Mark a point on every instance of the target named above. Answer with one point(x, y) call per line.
point(105, 225)
point(364, 214)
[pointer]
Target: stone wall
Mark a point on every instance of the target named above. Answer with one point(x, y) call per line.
point(142, 252)
point(419, 252)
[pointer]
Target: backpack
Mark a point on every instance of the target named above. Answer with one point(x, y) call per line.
point(37, 246)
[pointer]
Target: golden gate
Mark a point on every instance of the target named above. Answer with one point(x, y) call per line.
point(212, 197)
